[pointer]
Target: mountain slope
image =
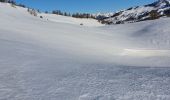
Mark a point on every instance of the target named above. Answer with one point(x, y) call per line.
point(135, 14)
point(50, 60)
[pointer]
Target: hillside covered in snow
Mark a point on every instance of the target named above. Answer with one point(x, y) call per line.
point(56, 58)
point(156, 10)
point(70, 20)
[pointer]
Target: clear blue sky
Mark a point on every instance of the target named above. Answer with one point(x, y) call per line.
point(90, 6)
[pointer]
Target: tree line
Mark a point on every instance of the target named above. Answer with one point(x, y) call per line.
point(8, 1)
point(75, 15)
point(57, 12)
point(13, 3)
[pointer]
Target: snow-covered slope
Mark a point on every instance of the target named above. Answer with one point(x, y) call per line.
point(135, 14)
point(51, 60)
point(71, 20)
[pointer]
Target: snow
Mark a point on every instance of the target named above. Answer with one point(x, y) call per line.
point(69, 20)
point(103, 14)
point(136, 14)
point(57, 59)
point(145, 53)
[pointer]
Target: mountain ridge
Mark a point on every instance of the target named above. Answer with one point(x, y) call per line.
point(151, 11)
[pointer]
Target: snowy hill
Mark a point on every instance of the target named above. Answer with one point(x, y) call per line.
point(70, 20)
point(152, 11)
point(43, 59)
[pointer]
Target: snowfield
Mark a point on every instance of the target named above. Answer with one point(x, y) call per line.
point(147, 53)
point(58, 59)
point(69, 20)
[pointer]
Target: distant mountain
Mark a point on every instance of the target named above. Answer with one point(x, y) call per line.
point(151, 11)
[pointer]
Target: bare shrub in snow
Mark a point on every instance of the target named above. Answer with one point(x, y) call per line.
point(32, 12)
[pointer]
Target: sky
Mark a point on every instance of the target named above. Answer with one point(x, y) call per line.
point(83, 6)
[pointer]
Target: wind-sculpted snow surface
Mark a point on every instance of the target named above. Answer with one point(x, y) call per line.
point(48, 60)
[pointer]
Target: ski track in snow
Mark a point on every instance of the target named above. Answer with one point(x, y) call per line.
point(50, 60)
